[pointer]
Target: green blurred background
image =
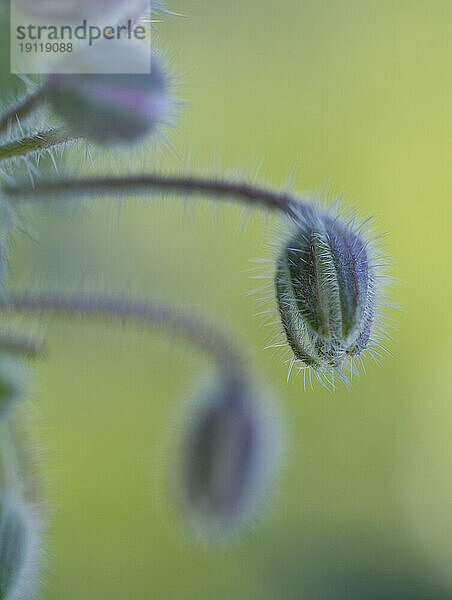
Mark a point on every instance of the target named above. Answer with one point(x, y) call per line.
point(354, 98)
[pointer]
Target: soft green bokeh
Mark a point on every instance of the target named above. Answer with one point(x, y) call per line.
point(354, 96)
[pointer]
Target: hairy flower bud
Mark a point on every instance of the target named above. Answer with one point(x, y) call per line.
point(17, 550)
point(112, 108)
point(326, 286)
point(228, 457)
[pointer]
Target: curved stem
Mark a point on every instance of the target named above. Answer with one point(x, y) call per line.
point(155, 183)
point(153, 315)
point(35, 143)
point(21, 111)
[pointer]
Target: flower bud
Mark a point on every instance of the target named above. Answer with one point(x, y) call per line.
point(326, 291)
point(17, 550)
point(111, 108)
point(228, 457)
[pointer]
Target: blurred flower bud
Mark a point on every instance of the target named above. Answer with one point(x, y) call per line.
point(229, 454)
point(13, 376)
point(326, 291)
point(112, 108)
point(18, 546)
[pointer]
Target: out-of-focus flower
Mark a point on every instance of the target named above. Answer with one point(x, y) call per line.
point(229, 454)
point(112, 108)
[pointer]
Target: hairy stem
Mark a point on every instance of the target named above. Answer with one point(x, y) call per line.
point(40, 141)
point(21, 111)
point(155, 183)
point(119, 308)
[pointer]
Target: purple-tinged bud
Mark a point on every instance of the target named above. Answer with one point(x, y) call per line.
point(229, 455)
point(112, 108)
point(326, 285)
point(19, 548)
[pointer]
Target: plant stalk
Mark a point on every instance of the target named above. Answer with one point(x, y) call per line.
point(155, 183)
point(119, 308)
point(21, 111)
point(35, 143)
